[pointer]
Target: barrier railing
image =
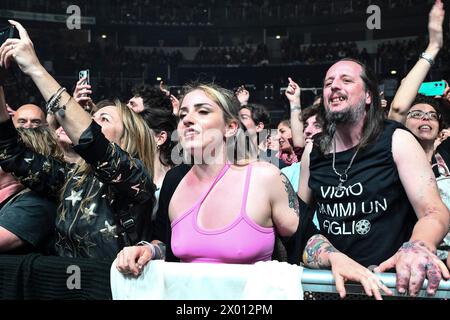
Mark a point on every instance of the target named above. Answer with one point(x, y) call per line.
point(41, 277)
point(323, 281)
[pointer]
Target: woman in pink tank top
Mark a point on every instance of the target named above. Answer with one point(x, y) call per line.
point(226, 208)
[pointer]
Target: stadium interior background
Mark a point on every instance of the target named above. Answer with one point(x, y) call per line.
point(255, 43)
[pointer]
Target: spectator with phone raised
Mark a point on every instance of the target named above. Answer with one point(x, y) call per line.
point(421, 113)
point(95, 197)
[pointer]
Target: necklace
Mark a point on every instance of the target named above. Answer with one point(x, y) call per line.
point(343, 177)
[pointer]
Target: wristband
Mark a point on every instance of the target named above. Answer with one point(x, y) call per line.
point(427, 57)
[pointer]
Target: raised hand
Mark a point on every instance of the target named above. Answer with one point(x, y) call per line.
point(19, 50)
point(435, 21)
point(293, 93)
point(242, 95)
point(164, 89)
point(82, 92)
point(173, 99)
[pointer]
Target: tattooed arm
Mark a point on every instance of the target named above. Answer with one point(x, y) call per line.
point(416, 259)
point(285, 206)
point(320, 253)
point(317, 252)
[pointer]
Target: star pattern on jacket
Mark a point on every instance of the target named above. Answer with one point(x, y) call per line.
point(31, 179)
point(46, 166)
point(133, 164)
point(74, 197)
point(83, 243)
point(29, 160)
point(4, 155)
point(62, 245)
point(109, 231)
point(88, 213)
point(118, 179)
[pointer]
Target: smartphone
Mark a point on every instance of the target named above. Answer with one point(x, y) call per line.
point(435, 88)
point(84, 74)
point(6, 33)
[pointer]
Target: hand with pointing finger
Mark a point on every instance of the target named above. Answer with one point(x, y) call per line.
point(293, 93)
point(19, 50)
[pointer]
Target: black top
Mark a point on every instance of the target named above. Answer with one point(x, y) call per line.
point(293, 245)
point(32, 219)
point(372, 217)
point(88, 223)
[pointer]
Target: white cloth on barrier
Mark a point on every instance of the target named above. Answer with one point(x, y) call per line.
point(161, 280)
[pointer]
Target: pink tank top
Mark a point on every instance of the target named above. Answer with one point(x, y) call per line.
point(243, 241)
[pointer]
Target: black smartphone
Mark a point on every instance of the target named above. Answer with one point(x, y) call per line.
point(6, 33)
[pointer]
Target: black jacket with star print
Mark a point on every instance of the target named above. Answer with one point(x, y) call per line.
point(88, 222)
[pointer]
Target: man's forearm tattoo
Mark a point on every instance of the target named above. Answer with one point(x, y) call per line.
point(292, 196)
point(316, 246)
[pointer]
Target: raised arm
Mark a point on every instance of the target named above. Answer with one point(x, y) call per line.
point(75, 120)
point(304, 192)
point(173, 99)
point(293, 94)
point(410, 85)
point(416, 259)
point(81, 94)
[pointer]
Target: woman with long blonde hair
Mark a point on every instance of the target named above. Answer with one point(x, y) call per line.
point(226, 208)
point(103, 201)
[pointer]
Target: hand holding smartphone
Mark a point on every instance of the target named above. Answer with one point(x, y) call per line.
point(83, 90)
point(84, 74)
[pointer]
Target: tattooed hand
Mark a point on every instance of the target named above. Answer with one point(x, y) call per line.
point(413, 263)
point(320, 253)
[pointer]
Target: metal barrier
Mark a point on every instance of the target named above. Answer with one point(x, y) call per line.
point(322, 281)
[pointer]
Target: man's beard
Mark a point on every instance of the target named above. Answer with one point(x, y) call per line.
point(350, 115)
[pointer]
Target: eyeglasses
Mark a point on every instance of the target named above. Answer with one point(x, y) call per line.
point(419, 114)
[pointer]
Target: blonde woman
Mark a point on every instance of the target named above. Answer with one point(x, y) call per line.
point(103, 199)
point(223, 210)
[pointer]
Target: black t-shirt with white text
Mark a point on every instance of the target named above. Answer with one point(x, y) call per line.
point(371, 217)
